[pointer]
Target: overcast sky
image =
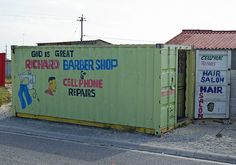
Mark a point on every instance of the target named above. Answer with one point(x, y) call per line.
point(27, 22)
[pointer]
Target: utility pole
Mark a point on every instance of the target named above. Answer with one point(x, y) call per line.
point(81, 19)
point(6, 49)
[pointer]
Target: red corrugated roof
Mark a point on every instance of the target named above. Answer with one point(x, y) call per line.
point(206, 39)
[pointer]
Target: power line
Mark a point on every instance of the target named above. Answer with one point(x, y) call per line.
point(81, 19)
point(40, 17)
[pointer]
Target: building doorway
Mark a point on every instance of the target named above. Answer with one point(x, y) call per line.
point(181, 93)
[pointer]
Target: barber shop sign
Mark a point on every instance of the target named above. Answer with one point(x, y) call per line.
point(212, 84)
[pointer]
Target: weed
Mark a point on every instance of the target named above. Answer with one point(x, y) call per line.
point(5, 96)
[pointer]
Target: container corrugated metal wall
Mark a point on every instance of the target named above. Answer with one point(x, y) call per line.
point(233, 93)
point(130, 85)
point(233, 84)
point(2, 69)
point(8, 69)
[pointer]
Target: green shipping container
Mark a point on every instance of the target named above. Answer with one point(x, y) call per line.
point(131, 87)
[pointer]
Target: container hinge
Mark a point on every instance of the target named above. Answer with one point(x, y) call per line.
point(171, 108)
point(13, 48)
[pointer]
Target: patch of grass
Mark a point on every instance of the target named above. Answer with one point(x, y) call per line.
point(5, 96)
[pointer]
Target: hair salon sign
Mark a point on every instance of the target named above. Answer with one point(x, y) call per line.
point(212, 84)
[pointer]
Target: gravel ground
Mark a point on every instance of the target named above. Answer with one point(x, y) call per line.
point(199, 136)
point(5, 111)
point(202, 136)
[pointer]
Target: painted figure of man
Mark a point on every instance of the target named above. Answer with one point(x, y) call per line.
point(51, 86)
point(27, 80)
point(210, 107)
point(23, 93)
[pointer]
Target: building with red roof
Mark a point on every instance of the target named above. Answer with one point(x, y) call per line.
point(206, 39)
point(215, 74)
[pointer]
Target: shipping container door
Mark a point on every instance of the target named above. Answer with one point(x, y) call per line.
point(168, 87)
point(212, 83)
